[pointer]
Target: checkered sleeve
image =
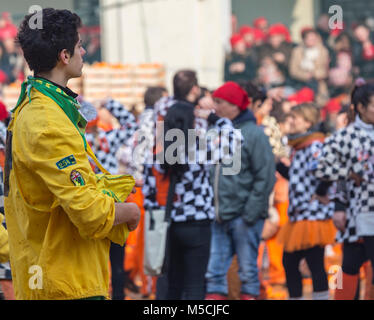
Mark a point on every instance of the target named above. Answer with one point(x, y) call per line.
point(227, 141)
point(332, 162)
point(149, 188)
point(125, 118)
point(143, 143)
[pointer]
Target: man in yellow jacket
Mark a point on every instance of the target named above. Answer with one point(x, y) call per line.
point(59, 223)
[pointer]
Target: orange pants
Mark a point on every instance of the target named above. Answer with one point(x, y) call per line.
point(275, 249)
point(134, 257)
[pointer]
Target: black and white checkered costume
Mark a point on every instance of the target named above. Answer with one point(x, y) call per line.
point(106, 143)
point(194, 193)
point(350, 150)
point(303, 185)
point(140, 147)
point(162, 106)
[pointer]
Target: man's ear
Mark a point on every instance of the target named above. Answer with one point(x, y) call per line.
point(64, 56)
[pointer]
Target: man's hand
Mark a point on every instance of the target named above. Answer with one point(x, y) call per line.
point(276, 93)
point(339, 219)
point(127, 213)
point(202, 113)
point(138, 184)
point(207, 103)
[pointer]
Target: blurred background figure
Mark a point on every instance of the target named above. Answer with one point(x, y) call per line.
point(239, 65)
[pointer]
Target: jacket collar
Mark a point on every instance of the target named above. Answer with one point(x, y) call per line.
point(244, 116)
point(65, 89)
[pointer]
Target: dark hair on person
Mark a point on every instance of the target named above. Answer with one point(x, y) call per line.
point(348, 110)
point(179, 116)
point(361, 94)
point(254, 92)
point(41, 47)
point(183, 82)
point(277, 112)
point(152, 95)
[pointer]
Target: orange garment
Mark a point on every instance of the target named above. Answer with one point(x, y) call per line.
point(134, 258)
point(2, 158)
point(281, 190)
point(275, 249)
point(162, 186)
point(305, 234)
point(348, 288)
point(105, 126)
point(134, 251)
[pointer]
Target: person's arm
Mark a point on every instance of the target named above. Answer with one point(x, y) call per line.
point(144, 142)
point(73, 186)
point(125, 118)
point(341, 203)
point(127, 213)
point(331, 164)
point(263, 171)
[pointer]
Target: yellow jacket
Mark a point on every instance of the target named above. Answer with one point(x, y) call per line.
point(4, 246)
point(59, 226)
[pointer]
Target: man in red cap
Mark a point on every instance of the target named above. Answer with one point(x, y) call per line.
point(239, 223)
point(239, 65)
point(304, 95)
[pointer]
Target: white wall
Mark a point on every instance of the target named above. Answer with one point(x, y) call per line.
point(296, 14)
point(177, 33)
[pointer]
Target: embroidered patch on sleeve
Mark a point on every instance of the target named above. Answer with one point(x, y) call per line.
point(77, 178)
point(66, 162)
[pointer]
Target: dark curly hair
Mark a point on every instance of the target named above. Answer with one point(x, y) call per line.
point(41, 47)
point(362, 93)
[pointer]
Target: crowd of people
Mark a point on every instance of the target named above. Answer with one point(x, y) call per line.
point(11, 61)
point(325, 62)
point(12, 64)
point(298, 119)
